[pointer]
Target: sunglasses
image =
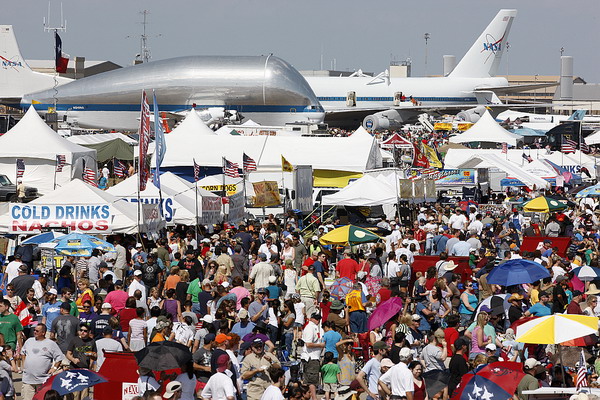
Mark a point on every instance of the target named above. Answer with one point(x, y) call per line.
point(83, 330)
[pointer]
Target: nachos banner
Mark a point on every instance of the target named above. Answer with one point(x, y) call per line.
point(29, 218)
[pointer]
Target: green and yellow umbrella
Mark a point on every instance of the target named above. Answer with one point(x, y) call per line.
point(349, 235)
point(544, 204)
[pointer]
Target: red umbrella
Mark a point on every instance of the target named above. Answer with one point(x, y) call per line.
point(384, 312)
point(497, 380)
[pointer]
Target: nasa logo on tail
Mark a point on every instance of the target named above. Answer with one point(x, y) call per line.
point(492, 44)
point(8, 63)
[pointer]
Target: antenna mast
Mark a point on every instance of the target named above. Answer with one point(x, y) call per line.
point(144, 51)
point(49, 28)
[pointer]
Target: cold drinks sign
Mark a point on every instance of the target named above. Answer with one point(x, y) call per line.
point(29, 218)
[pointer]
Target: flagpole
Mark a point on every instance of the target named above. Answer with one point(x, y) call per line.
point(196, 220)
point(283, 187)
point(224, 192)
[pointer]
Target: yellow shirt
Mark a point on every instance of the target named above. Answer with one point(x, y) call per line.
point(534, 296)
point(354, 300)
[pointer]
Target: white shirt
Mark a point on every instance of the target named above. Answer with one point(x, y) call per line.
point(312, 333)
point(218, 387)
point(121, 257)
point(399, 378)
point(135, 285)
point(457, 221)
point(476, 226)
point(12, 270)
point(264, 248)
point(183, 332)
point(391, 269)
point(272, 393)
point(105, 172)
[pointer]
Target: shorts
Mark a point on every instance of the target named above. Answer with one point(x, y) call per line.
point(331, 387)
point(312, 370)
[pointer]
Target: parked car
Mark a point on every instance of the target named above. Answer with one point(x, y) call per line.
point(8, 191)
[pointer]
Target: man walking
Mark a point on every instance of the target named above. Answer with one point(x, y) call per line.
point(41, 358)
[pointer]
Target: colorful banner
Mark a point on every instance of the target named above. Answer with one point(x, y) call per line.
point(419, 159)
point(266, 194)
point(442, 126)
point(29, 218)
point(211, 210)
point(218, 189)
point(456, 177)
point(432, 157)
point(465, 126)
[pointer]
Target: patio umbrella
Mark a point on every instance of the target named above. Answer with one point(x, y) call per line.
point(80, 245)
point(516, 272)
point(340, 288)
point(384, 312)
point(162, 356)
point(42, 238)
point(557, 328)
point(435, 381)
point(590, 191)
point(498, 303)
point(497, 380)
point(587, 273)
point(70, 381)
point(543, 204)
point(349, 235)
point(373, 284)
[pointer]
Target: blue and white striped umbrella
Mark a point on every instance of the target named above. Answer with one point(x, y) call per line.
point(586, 273)
point(42, 238)
point(591, 191)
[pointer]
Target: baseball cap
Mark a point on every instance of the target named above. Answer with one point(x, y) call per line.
point(380, 345)
point(208, 319)
point(137, 272)
point(119, 283)
point(175, 386)
point(491, 347)
point(386, 362)
point(262, 256)
point(107, 306)
point(531, 363)
point(209, 337)
point(262, 290)
point(416, 317)
point(53, 291)
point(243, 313)
point(272, 279)
point(405, 352)
point(221, 337)
point(138, 245)
point(225, 284)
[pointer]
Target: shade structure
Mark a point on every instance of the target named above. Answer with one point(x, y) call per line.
point(558, 328)
point(544, 204)
point(42, 238)
point(587, 273)
point(80, 245)
point(364, 192)
point(487, 130)
point(498, 303)
point(516, 272)
point(591, 191)
point(348, 235)
point(384, 312)
point(161, 356)
point(71, 381)
point(341, 287)
point(497, 380)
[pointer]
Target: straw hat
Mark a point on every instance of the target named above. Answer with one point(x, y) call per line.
point(450, 266)
point(592, 289)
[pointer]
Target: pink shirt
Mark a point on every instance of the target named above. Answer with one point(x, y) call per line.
point(117, 299)
point(240, 293)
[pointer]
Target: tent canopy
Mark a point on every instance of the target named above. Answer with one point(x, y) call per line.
point(367, 191)
point(192, 126)
point(487, 130)
point(107, 145)
point(397, 141)
point(594, 138)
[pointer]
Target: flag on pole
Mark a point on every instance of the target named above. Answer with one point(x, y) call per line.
point(527, 158)
point(61, 160)
point(196, 171)
point(230, 169)
point(419, 159)
point(118, 169)
point(22, 312)
point(504, 148)
point(159, 142)
point(89, 176)
point(249, 164)
point(581, 373)
point(584, 147)
point(144, 134)
point(20, 167)
point(286, 166)
point(61, 59)
point(568, 146)
point(432, 157)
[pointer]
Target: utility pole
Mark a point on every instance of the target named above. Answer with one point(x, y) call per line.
point(51, 116)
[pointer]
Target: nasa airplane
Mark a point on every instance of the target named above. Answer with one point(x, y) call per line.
point(378, 103)
point(264, 88)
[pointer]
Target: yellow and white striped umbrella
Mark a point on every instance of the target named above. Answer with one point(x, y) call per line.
point(555, 329)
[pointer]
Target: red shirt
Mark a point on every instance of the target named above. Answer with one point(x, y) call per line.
point(383, 295)
point(450, 334)
point(574, 308)
point(126, 315)
point(347, 268)
point(308, 262)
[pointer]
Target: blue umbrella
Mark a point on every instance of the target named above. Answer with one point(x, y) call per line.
point(516, 272)
point(43, 238)
point(80, 245)
point(73, 380)
point(586, 273)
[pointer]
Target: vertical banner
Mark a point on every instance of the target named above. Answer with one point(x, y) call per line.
point(266, 194)
point(144, 141)
point(151, 218)
point(211, 210)
point(236, 208)
point(406, 191)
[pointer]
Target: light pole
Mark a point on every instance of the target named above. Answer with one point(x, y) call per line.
point(426, 36)
point(534, 92)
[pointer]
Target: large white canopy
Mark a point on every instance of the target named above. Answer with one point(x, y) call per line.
point(366, 191)
point(76, 192)
point(594, 138)
point(487, 130)
point(38, 145)
point(191, 127)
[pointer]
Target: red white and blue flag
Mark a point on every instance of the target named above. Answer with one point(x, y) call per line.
point(196, 171)
point(581, 373)
point(118, 169)
point(144, 133)
point(527, 157)
point(249, 164)
point(89, 176)
point(504, 148)
point(20, 167)
point(568, 146)
point(61, 160)
point(230, 169)
point(61, 59)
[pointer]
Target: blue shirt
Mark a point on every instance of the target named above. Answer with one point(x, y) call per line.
point(330, 338)
point(242, 329)
point(461, 249)
point(424, 326)
point(372, 370)
point(540, 310)
point(51, 311)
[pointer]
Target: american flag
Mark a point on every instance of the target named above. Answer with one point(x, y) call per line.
point(230, 169)
point(144, 133)
point(584, 147)
point(527, 158)
point(61, 160)
point(118, 169)
point(89, 176)
point(20, 167)
point(568, 146)
point(249, 164)
point(196, 172)
point(581, 373)
point(504, 148)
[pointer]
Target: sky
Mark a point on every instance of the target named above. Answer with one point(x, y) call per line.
point(356, 34)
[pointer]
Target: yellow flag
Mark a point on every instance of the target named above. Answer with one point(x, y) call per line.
point(431, 155)
point(286, 166)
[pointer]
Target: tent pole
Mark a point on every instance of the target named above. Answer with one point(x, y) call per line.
point(55, 166)
point(562, 366)
point(196, 220)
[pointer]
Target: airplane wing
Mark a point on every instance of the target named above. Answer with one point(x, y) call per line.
point(508, 89)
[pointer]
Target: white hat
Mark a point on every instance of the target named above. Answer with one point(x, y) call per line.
point(53, 291)
point(225, 284)
point(137, 272)
point(491, 347)
point(315, 238)
point(272, 279)
point(107, 306)
point(405, 352)
point(531, 363)
point(172, 387)
point(205, 240)
point(416, 317)
point(138, 245)
point(386, 362)
point(208, 319)
point(450, 265)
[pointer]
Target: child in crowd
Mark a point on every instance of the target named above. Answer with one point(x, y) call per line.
point(330, 373)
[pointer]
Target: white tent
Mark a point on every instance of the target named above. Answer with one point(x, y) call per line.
point(487, 130)
point(250, 123)
point(95, 138)
point(123, 215)
point(594, 138)
point(38, 145)
point(192, 126)
point(512, 170)
point(366, 191)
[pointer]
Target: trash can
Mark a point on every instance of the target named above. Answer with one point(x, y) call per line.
point(120, 369)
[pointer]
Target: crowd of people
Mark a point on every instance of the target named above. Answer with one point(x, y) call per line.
point(255, 306)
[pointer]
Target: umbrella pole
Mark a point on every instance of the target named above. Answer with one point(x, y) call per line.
point(562, 366)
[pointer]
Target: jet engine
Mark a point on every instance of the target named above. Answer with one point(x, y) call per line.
point(384, 120)
point(471, 115)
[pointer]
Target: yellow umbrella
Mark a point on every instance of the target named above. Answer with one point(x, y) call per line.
point(349, 235)
point(544, 205)
point(555, 329)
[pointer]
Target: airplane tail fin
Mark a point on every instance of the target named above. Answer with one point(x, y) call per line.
point(483, 58)
point(16, 77)
point(577, 115)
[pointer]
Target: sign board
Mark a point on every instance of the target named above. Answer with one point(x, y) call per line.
point(151, 217)
point(211, 210)
point(236, 208)
point(303, 179)
point(266, 194)
point(30, 218)
point(218, 189)
point(168, 210)
point(129, 391)
point(457, 177)
point(55, 229)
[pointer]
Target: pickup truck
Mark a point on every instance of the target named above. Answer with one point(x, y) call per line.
point(8, 191)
